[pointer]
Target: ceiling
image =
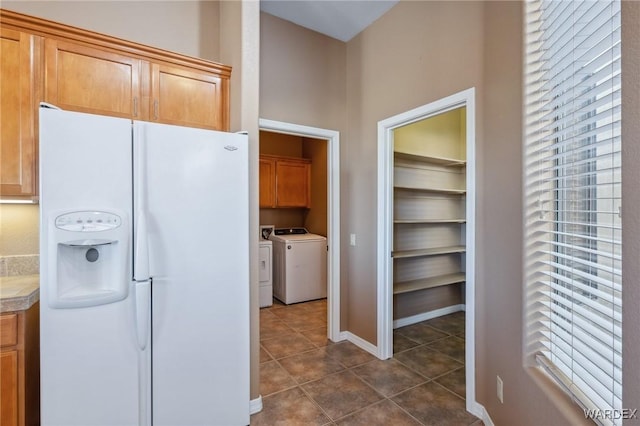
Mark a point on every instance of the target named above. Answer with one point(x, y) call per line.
point(341, 20)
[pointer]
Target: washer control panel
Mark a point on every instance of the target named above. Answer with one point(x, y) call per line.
point(88, 221)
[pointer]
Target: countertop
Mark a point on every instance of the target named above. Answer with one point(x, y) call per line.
point(19, 293)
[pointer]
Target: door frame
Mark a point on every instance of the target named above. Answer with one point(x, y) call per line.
point(465, 98)
point(333, 211)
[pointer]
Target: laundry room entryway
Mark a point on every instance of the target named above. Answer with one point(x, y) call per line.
point(299, 190)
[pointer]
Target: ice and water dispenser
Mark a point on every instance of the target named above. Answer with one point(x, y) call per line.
point(91, 252)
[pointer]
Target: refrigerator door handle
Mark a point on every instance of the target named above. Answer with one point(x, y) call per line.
point(143, 312)
point(141, 265)
point(141, 259)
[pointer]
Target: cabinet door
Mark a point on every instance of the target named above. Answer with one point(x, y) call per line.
point(20, 89)
point(92, 80)
point(9, 388)
point(267, 183)
point(292, 184)
point(188, 97)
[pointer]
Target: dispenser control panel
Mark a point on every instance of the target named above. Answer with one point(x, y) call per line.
point(88, 221)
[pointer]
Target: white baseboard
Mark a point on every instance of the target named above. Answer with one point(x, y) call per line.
point(341, 336)
point(359, 342)
point(402, 322)
point(486, 418)
point(255, 405)
point(373, 349)
point(479, 411)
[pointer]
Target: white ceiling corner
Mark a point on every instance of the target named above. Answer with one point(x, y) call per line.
point(341, 20)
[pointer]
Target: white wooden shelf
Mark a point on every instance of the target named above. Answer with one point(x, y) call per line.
point(434, 251)
point(427, 221)
point(430, 205)
point(449, 162)
point(433, 190)
point(431, 282)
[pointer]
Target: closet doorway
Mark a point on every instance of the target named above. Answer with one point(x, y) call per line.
point(426, 225)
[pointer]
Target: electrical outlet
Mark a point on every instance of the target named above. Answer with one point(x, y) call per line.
point(352, 239)
point(499, 389)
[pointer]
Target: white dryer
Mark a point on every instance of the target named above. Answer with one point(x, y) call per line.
point(265, 273)
point(299, 265)
point(265, 258)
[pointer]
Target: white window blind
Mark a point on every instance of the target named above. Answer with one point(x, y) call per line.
point(572, 164)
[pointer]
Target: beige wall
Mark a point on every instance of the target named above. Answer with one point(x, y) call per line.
point(416, 53)
point(240, 30)
point(19, 229)
point(419, 52)
point(315, 219)
point(187, 27)
point(303, 81)
point(302, 75)
point(443, 135)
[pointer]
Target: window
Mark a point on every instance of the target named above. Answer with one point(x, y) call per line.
point(573, 227)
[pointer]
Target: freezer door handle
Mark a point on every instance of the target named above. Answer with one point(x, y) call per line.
point(143, 312)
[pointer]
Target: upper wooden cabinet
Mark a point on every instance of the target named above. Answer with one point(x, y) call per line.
point(20, 91)
point(87, 79)
point(285, 182)
point(123, 86)
point(84, 71)
point(187, 97)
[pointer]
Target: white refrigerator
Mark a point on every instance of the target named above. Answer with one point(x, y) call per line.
point(144, 275)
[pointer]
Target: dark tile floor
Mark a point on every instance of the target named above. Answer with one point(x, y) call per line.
point(306, 379)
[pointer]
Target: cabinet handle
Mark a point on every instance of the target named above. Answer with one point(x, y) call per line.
point(155, 109)
point(135, 107)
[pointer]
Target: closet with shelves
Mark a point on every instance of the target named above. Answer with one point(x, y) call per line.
point(429, 223)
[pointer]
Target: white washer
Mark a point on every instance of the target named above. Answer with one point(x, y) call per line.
point(299, 265)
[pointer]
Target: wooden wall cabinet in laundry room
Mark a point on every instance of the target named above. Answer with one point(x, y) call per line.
point(20, 91)
point(285, 182)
